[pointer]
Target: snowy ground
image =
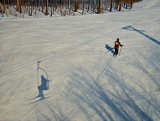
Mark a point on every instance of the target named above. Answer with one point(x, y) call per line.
point(86, 81)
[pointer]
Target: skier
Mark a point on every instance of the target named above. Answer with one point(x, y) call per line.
point(117, 44)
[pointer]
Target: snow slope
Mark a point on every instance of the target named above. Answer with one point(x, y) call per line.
point(86, 82)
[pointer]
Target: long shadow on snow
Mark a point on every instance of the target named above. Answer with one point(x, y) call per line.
point(153, 100)
point(109, 49)
point(106, 104)
point(126, 99)
point(55, 113)
point(149, 101)
point(154, 61)
point(77, 91)
point(130, 28)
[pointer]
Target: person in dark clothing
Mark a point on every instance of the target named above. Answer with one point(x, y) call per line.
point(117, 44)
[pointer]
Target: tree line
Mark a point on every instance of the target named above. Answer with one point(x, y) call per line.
point(48, 7)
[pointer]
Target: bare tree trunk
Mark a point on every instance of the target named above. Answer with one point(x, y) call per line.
point(39, 5)
point(99, 4)
point(42, 6)
point(126, 4)
point(35, 7)
point(131, 4)
point(88, 4)
point(111, 6)
point(31, 7)
point(53, 7)
point(1, 8)
point(9, 7)
point(8, 4)
point(46, 7)
point(120, 5)
point(20, 6)
point(76, 5)
point(82, 7)
point(17, 5)
point(56, 6)
point(116, 4)
point(4, 7)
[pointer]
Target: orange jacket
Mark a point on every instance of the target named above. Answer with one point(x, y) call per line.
point(117, 44)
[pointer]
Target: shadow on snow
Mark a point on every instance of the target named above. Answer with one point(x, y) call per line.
point(44, 83)
point(118, 104)
point(109, 49)
point(130, 28)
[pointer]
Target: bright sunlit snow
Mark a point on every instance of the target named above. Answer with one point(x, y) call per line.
point(86, 83)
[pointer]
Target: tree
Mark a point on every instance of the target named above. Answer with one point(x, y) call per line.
point(120, 5)
point(99, 4)
point(111, 6)
point(17, 5)
point(88, 4)
point(20, 7)
point(126, 4)
point(46, 7)
point(76, 5)
point(131, 4)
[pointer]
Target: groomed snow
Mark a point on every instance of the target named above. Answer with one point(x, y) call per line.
point(86, 82)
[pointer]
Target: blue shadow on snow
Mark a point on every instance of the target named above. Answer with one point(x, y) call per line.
point(141, 32)
point(109, 49)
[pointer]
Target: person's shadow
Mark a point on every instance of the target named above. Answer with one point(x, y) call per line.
point(44, 86)
point(44, 82)
point(109, 49)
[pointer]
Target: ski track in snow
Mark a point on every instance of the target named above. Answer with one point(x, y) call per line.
point(10, 57)
point(60, 52)
point(93, 87)
point(53, 55)
point(90, 89)
point(85, 95)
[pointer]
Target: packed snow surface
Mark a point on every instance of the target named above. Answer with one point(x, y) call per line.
point(71, 54)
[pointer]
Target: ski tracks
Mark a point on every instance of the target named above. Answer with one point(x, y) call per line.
point(12, 97)
point(88, 92)
point(59, 93)
point(52, 55)
point(10, 57)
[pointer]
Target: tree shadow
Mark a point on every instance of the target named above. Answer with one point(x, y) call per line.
point(130, 28)
point(117, 104)
point(109, 49)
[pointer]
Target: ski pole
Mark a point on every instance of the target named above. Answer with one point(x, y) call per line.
point(120, 50)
